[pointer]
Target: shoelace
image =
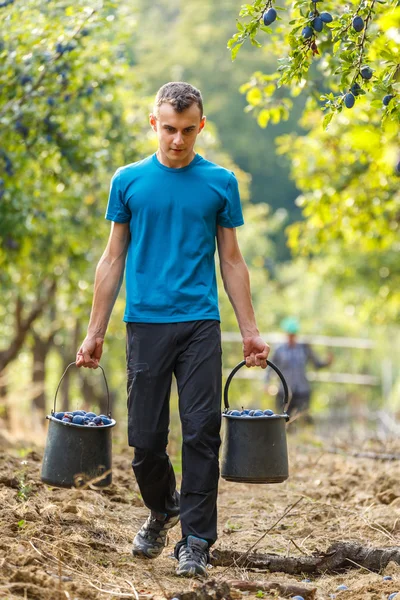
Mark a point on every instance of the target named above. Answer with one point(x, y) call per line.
point(194, 552)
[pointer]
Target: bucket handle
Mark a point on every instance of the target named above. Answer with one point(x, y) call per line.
point(105, 381)
point(277, 371)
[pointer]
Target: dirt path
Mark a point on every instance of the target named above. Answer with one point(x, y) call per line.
point(75, 544)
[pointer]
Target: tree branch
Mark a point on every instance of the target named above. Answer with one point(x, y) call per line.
point(23, 326)
point(340, 556)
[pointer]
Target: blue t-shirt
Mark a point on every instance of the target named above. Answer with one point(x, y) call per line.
point(173, 216)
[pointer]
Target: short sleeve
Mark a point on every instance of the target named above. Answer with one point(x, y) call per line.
point(117, 210)
point(230, 215)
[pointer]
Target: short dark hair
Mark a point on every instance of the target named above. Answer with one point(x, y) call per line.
point(180, 95)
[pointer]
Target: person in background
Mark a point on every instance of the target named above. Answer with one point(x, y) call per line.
point(291, 358)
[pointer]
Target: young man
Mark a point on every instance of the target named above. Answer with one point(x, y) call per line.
point(167, 212)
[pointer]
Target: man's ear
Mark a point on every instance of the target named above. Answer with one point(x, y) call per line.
point(153, 121)
point(202, 123)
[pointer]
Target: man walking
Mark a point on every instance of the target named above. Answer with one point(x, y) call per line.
point(167, 212)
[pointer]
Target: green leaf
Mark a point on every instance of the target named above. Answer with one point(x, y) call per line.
point(377, 104)
point(336, 46)
point(235, 50)
point(327, 119)
point(254, 42)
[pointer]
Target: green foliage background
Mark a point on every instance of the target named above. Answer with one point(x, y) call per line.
point(76, 87)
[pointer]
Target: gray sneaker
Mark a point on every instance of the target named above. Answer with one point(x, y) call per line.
point(193, 557)
point(151, 540)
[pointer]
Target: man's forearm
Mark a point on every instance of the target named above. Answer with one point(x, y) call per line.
point(235, 276)
point(108, 279)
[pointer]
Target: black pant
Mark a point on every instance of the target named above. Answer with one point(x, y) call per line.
point(192, 351)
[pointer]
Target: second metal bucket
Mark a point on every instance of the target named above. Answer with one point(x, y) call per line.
point(76, 455)
point(254, 449)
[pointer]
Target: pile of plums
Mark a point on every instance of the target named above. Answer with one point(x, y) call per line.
point(250, 413)
point(81, 417)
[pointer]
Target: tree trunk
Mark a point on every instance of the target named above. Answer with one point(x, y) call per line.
point(23, 325)
point(40, 350)
point(39, 353)
point(95, 396)
point(4, 412)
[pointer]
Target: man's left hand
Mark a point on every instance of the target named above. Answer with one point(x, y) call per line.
point(255, 351)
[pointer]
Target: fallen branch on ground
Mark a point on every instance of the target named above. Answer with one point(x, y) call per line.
point(340, 556)
point(284, 589)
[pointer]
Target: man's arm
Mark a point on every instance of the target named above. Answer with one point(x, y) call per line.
point(235, 276)
point(107, 283)
point(317, 362)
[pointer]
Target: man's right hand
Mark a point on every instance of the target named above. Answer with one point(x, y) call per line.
point(89, 353)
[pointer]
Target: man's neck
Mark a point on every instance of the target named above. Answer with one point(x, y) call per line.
point(164, 160)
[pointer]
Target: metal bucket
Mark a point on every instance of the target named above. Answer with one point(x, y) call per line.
point(254, 449)
point(74, 454)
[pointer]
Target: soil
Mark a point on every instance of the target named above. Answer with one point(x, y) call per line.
point(75, 544)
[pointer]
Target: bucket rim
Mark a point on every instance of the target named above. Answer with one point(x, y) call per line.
point(258, 418)
point(52, 418)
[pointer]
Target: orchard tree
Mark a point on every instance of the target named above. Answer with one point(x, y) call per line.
point(335, 53)
point(346, 60)
point(62, 120)
point(350, 199)
point(69, 116)
point(66, 124)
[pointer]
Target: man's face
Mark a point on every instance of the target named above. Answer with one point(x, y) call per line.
point(177, 132)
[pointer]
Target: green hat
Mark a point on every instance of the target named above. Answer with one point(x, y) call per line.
point(290, 325)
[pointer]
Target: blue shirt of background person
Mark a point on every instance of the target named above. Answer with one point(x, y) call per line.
point(174, 279)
